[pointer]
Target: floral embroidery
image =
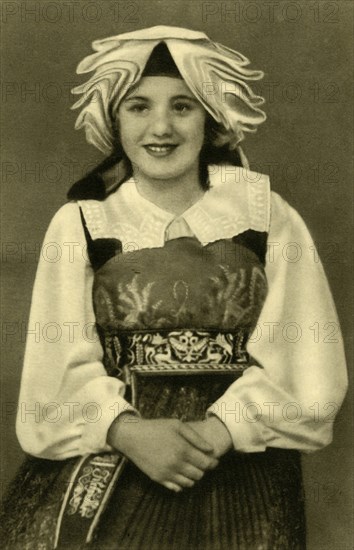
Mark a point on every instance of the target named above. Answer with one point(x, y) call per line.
point(134, 303)
point(232, 301)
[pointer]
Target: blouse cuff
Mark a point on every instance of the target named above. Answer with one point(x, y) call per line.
point(260, 414)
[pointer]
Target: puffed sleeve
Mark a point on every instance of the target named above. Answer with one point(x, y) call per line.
point(67, 402)
point(289, 396)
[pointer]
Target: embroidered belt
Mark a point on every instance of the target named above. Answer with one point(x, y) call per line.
point(127, 349)
point(136, 355)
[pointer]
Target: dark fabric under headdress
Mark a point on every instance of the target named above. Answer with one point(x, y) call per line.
point(161, 63)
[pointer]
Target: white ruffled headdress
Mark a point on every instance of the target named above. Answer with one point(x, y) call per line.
point(215, 74)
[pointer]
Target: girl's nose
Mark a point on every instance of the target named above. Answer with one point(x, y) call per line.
point(161, 124)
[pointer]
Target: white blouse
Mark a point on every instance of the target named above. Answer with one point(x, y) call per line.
point(68, 402)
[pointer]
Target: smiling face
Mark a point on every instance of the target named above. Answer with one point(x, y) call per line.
point(161, 129)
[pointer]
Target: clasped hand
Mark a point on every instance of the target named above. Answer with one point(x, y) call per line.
point(172, 453)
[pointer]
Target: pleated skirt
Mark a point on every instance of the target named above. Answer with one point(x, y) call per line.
point(251, 501)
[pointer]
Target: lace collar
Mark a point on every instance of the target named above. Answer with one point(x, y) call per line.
point(237, 200)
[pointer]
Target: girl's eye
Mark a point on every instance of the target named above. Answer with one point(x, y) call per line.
point(138, 108)
point(182, 108)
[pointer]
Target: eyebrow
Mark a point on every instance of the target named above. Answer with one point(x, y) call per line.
point(176, 97)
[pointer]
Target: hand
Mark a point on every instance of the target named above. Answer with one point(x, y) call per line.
point(168, 451)
point(215, 432)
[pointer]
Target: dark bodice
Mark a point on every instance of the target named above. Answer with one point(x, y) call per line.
point(182, 285)
point(183, 303)
point(183, 308)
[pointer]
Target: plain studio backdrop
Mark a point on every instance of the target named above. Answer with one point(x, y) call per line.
point(305, 146)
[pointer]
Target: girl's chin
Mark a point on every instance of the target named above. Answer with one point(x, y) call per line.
point(162, 174)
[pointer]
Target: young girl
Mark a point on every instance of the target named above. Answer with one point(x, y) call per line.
point(172, 410)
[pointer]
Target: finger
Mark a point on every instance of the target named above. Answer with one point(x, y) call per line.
point(183, 481)
point(195, 439)
point(213, 464)
point(192, 472)
point(200, 460)
point(172, 486)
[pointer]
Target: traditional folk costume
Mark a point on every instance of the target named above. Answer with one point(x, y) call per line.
point(208, 312)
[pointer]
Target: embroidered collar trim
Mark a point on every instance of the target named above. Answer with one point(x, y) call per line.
point(238, 200)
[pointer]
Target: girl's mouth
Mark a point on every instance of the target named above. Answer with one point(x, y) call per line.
point(160, 150)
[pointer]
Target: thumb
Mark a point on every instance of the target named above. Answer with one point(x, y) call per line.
point(195, 438)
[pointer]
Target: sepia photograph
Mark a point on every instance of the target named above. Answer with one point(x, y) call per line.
point(176, 259)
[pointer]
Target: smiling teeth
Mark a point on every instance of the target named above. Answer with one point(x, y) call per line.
point(160, 148)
